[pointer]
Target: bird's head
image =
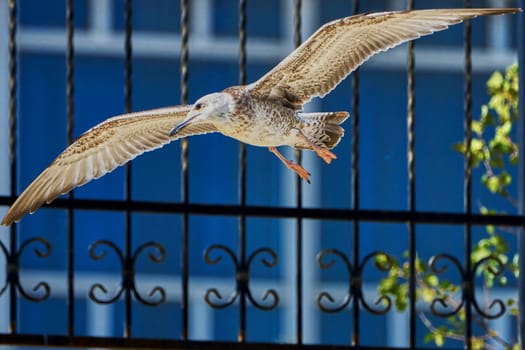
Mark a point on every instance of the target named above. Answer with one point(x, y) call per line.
point(213, 108)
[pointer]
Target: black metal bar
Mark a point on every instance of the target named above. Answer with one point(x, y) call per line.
point(521, 173)
point(356, 337)
point(128, 190)
point(467, 195)
point(128, 58)
point(150, 343)
point(241, 337)
point(70, 69)
point(299, 203)
point(411, 159)
point(70, 111)
point(13, 108)
point(184, 4)
point(394, 216)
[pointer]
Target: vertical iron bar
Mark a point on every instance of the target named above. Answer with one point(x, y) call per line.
point(70, 110)
point(411, 188)
point(521, 173)
point(356, 336)
point(241, 337)
point(128, 51)
point(128, 104)
point(467, 292)
point(299, 232)
point(184, 4)
point(13, 82)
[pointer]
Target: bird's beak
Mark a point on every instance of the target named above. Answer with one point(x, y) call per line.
point(178, 128)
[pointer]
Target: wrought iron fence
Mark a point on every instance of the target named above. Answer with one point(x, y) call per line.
point(13, 289)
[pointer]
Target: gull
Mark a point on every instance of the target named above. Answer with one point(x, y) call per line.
point(265, 113)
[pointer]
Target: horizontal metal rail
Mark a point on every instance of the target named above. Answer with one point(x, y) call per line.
point(371, 215)
point(142, 343)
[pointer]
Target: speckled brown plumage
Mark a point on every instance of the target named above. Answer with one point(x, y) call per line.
point(339, 47)
point(267, 112)
point(99, 151)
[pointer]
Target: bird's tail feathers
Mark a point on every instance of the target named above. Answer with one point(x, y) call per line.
point(324, 127)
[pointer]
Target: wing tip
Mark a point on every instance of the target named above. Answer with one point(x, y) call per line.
point(10, 218)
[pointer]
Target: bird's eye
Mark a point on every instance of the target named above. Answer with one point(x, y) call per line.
point(198, 106)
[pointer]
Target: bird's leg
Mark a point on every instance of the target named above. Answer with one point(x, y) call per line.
point(302, 172)
point(322, 152)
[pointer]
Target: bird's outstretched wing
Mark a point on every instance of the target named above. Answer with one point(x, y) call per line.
point(339, 47)
point(100, 150)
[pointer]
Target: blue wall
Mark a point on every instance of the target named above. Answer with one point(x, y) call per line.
point(214, 161)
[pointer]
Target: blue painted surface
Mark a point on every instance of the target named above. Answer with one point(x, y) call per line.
point(214, 166)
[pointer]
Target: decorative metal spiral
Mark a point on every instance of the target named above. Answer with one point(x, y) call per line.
point(468, 286)
point(497, 270)
point(215, 299)
point(446, 309)
point(42, 289)
point(355, 283)
point(98, 251)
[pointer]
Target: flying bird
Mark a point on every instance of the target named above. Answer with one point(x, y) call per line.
point(265, 113)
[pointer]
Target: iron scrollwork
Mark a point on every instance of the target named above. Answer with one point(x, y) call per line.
point(42, 288)
point(497, 269)
point(468, 286)
point(99, 250)
point(355, 282)
point(443, 300)
point(215, 299)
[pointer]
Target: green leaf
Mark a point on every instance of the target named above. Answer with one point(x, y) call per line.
point(515, 265)
point(476, 145)
point(453, 288)
point(478, 343)
point(382, 261)
point(504, 179)
point(388, 285)
point(444, 284)
point(420, 265)
point(484, 112)
point(493, 184)
point(429, 337)
point(477, 127)
point(461, 314)
point(431, 280)
point(505, 128)
point(501, 144)
point(495, 81)
point(503, 248)
point(459, 147)
point(496, 162)
point(486, 117)
point(439, 339)
point(401, 296)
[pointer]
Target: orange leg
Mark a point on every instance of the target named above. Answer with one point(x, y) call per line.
point(324, 153)
point(302, 172)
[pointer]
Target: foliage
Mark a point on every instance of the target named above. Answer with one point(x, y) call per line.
point(493, 150)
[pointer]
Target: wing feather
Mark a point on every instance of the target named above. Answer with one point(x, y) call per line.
point(99, 151)
point(339, 47)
